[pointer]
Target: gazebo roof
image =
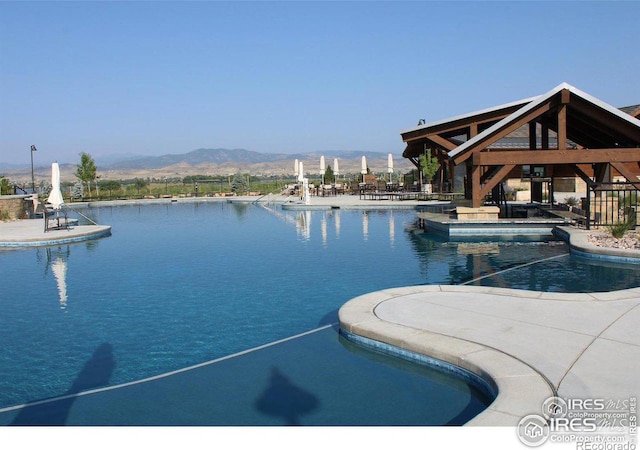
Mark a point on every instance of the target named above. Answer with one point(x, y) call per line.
point(603, 131)
point(565, 128)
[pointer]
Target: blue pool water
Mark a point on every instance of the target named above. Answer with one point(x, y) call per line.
point(179, 284)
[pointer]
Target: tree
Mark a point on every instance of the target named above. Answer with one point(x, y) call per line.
point(109, 185)
point(5, 188)
point(329, 176)
point(429, 166)
point(86, 170)
point(238, 183)
point(139, 183)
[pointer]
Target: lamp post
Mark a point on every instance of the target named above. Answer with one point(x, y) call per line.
point(33, 180)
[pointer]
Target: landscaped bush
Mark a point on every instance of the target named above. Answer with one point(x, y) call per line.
point(619, 229)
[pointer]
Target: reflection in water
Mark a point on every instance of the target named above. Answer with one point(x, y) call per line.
point(478, 248)
point(323, 229)
point(303, 224)
point(365, 225)
point(59, 268)
point(57, 261)
point(392, 230)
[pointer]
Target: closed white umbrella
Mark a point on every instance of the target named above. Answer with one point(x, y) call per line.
point(390, 163)
point(300, 171)
point(55, 197)
point(295, 168)
point(336, 169)
point(322, 168)
point(363, 170)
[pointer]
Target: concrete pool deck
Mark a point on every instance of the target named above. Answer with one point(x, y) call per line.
point(527, 345)
point(30, 233)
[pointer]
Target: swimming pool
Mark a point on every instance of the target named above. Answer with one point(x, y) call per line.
point(179, 284)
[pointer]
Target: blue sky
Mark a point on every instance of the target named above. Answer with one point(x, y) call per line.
point(152, 78)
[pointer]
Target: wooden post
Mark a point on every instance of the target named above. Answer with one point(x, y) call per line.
point(533, 142)
point(476, 200)
point(562, 127)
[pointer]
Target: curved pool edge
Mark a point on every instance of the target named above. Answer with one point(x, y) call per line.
point(34, 237)
point(580, 246)
point(419, 319)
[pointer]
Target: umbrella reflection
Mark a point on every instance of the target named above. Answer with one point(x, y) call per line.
point(57, 261)
point(392, 229)
point(365, 225)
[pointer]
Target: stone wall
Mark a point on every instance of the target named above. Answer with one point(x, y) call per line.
point(14, 207)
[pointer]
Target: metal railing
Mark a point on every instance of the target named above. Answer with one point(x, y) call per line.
point(611, 204)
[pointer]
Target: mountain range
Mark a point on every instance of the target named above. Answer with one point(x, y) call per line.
point(223, 156)
point(218, 161)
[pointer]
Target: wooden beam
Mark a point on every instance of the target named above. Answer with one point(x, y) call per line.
point(582, 174)
point(562, 156)
point(495, 179)
point(442, 142)
point(460, 125)
point(502, 132)
point(473, 129)
point(630, 176)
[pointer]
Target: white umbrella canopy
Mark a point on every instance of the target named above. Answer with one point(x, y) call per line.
point(300, 171)
point(295, 168)
point(336, 170)
point(390, 163)
point(363, 170)
point(55, 197)
point(322, 165)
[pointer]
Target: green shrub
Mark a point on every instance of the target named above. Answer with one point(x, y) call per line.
point(618, 230)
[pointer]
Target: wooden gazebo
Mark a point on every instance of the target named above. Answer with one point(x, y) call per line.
point(563, 133)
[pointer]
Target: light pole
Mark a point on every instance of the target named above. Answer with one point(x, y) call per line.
point(33, 180)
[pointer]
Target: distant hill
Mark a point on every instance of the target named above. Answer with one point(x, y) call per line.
point(223, 156)
point(218, 161)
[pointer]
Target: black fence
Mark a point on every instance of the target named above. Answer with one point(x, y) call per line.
point(611, 204)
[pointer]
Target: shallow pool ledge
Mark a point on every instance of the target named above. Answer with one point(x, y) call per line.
point(527, 345)
point(30, 233)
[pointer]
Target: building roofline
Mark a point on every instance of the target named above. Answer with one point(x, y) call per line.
point(468, 115)
point(537, 101)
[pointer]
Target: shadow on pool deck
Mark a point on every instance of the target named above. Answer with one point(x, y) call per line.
point(95, 373)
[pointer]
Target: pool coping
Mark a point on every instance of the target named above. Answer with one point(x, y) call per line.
point(30, 233)
point(521, 377)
